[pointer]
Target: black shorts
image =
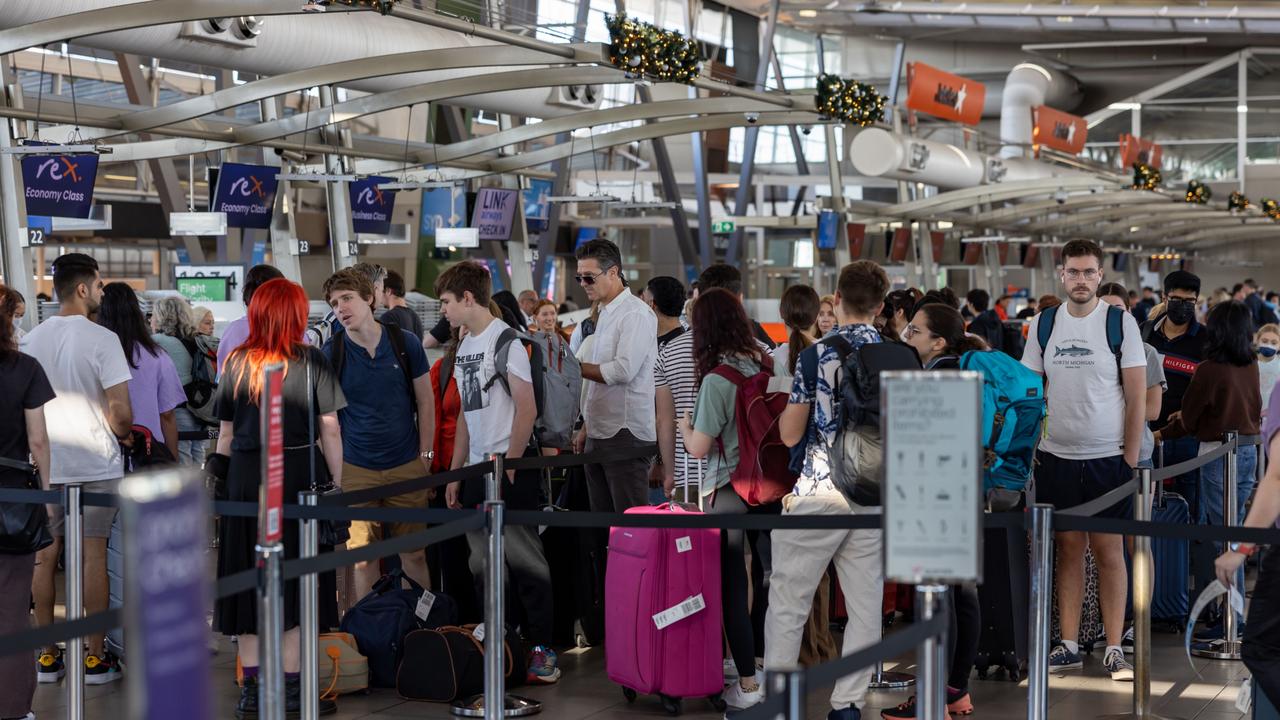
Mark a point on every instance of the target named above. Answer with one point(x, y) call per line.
point(1065, 483)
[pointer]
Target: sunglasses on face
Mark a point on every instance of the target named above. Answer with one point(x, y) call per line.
point(589, 278)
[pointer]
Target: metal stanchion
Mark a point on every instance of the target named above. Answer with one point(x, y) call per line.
point(309, 594)
point(890, 680)
point(271, 699)
point(1228, 648)
point(1143, 581)
point(1041, 596)
point(931, 694)
point(495, 703)
point(73, 534)
point(787, 684)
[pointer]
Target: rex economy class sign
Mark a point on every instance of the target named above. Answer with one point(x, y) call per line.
point(371, 207)
point(247, 194)
point(59, 185)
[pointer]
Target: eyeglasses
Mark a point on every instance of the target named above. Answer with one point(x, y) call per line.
point(589, 278)
point(913, 331)
point(1089, 274)
point(1178, 300)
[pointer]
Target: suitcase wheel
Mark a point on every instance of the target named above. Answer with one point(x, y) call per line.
point(981, 664)
point(629, 694)
point(718, 703)
point(670, 704)
point(1013, 667)
point(580, 640)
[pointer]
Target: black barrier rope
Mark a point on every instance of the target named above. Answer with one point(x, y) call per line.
point(1211, 533)
point(34, 638)
point(404, 487)
point(828, 673)
point(595, 457)
point(206, 434)
point(298, 567)
point(1194, 463)
point(1098, 504)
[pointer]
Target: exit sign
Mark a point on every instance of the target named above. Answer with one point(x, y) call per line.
point(723, 227)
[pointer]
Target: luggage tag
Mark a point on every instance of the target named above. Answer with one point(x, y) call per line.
point(425, 603)
point(1244, 698)
point(684, 544)
point(678, 612)
point(1214, 591)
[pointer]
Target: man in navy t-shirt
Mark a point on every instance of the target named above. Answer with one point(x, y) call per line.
point(385, 380)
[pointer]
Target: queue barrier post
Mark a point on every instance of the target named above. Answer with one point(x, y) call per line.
point(1228, 648)
point(73, 534)
point(1041, 592)
point(309, 613)
point(790, 686)
point(931, 694)
point(271, 701)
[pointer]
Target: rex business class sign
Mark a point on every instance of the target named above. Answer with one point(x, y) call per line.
point(941, 94)
point(371, 207)
point(59, 185)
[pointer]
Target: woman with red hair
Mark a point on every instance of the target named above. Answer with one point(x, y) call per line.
point(277, 320)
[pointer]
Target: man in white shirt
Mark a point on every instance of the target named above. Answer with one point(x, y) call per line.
point(619, 410)
point(88, 420)
point(498, 412)
point(528, 300)
point(1095, 384)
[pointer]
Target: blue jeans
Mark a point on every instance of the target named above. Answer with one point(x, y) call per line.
point(1212, 491)
point(190, 452)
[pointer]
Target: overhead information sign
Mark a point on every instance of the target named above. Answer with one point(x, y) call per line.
point(494, 213)
point(931, 425)
point(941, 94)
point(1059, 130)
point(371, 207)
point(247, 194)
point(59, 185)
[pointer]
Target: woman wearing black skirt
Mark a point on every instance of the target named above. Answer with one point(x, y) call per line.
point(277, 320)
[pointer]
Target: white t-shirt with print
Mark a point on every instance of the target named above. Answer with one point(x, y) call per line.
point(489, 414)
point(82, 360)
point(1085, 397)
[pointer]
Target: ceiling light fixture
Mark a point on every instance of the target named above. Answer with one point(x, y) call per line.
point(807, 13)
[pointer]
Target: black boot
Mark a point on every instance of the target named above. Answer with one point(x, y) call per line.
point(247, 708)
point(293, 700)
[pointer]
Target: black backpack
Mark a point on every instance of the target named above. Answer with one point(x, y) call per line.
point(338, 357)
point(857, 453)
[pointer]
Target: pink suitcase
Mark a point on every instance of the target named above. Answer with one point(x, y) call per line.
point(669, 578)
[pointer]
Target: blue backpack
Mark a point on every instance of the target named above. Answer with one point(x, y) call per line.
point(1013, 411)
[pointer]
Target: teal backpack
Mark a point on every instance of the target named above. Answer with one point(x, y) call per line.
point(1013, 411)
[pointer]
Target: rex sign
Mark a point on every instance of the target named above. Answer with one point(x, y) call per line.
point(1135, 150)
point(247, 194)
point(59, 185)
point(1058, 130)
point(941, 94)
point(371, 207)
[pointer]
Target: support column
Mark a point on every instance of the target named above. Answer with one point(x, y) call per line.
point(1242, 116)
point(342, 236)
point(671, 189)
point(14, 254)
point(752, 136)
point(797, 147)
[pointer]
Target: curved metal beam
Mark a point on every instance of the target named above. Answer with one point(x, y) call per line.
point(334, 74)
point(141, 14)
point(956, 199)
point(1259, 228)
point(1026, 211)
point(1093, 217)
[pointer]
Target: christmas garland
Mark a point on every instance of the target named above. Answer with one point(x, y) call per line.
point(1237, 201)
point(1271, 208)
point(382, 6)
point(644, 50)
point(849, 100)
point(1145, 177)
point(1198, 192)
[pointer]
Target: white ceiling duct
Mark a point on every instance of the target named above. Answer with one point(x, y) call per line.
point(295, 42)
point(1030, 85)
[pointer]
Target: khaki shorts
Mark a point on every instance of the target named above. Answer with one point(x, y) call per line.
point(358, 478)
point(97, 520)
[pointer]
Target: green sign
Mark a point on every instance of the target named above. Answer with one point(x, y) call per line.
point(722, 227)
point(203, 289)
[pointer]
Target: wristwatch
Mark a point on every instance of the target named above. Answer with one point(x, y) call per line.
point(1245, 549)
point(428, 454)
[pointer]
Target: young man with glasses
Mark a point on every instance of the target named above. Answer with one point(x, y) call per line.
point(1180, 339)
point(1097, 403)
point(619, 409)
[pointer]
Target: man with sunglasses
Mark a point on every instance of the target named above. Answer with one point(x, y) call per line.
point(1095, 384)
point(1180, 339)
point(619, 409)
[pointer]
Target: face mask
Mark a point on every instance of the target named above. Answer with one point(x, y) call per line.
point(1181, 313)
point(1267, 351)
point(1271, 305)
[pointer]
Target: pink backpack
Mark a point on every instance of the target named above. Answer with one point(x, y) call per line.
point(763, 474)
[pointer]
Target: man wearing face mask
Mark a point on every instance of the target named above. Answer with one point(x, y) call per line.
point(1180, 339)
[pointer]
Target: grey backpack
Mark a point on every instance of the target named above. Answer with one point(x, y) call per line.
point(557, 384)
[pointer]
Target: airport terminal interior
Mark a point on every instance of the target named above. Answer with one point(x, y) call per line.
point(581, 172)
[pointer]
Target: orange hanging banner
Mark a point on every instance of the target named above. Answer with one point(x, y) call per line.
point(1059, 130)
point(941, 94)
point(1134, 149)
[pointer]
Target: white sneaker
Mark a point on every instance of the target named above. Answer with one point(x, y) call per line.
point(739, 699)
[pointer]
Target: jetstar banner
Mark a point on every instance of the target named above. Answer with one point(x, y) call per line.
point(1059, 130)
point(370, 207)
point(1134, 149)
point(59, 185)
point(941, 94)
point(247, 194)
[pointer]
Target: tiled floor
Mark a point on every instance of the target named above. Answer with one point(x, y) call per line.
point(585, 692)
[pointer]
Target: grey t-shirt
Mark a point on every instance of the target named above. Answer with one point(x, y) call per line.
point(1155, 376)
point(178, 353)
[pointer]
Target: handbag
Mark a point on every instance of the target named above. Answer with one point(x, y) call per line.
point(342, 669)
point(24, 527)
point(330, 532)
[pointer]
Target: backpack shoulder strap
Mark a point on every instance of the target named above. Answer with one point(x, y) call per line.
point(1115, 336)
point(501, 350)
point(338, 354)
point(1044, 328)
point(730, 373)
point(842, 347)
point(396, 336)
point(807, 365)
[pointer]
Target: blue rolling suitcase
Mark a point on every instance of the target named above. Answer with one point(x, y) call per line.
point(1172, 560)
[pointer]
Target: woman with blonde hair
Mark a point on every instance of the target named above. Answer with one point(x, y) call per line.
point(828, 319)
point(173, 325)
